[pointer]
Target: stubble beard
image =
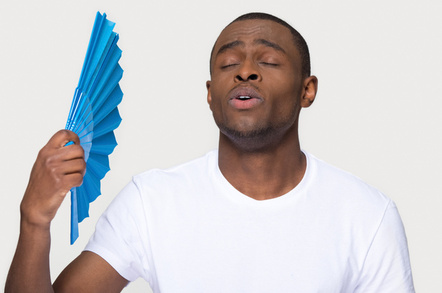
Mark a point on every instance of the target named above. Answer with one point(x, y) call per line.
point(261, 138)
point(252, 140)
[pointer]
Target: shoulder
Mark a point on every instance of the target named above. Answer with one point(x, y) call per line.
point(337, 179)
point(360, 211)
point(340, 188)
point(182, 177)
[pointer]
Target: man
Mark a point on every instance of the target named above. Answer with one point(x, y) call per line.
point(258, 215)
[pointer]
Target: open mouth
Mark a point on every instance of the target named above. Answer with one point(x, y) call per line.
point(243, 102)
point(245, 98)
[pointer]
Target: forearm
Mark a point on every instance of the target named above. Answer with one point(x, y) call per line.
point(29, 270)
point(56, 170)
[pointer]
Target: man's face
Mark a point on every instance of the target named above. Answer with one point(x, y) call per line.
point(256, 79)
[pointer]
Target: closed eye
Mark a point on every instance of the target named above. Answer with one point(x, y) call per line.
point(269, 64)
point(229, 65)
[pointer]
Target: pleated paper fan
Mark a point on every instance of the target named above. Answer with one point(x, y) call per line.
point(94, 115)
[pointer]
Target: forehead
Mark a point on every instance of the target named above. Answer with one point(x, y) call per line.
point(248, 31)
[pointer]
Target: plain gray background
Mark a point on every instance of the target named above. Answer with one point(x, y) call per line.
point(376, 113)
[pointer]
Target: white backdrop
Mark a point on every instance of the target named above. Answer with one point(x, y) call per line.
point(376, 114)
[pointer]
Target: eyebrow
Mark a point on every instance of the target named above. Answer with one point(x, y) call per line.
point(269, 44)
point(230, 45)
point(264, 42)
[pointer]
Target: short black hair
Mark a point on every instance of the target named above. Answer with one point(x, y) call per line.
point(298, 39)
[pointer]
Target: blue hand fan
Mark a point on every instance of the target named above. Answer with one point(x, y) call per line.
point(94, 114)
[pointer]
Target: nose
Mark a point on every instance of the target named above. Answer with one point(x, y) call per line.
point(247, 72)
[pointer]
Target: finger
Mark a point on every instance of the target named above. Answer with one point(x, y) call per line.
point(74, 166)
point(62, 137)
point(70, 181)
point(74, 180)
point(73, 137)
point(51, 156)
point(72, 152)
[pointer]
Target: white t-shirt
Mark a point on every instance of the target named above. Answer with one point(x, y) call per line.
point(186, 229)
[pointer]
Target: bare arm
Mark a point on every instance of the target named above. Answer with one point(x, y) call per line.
point(89, 273)
point(56, 170)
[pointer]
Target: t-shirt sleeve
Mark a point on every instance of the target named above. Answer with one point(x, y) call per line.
point(387, 264)
point(118, 236)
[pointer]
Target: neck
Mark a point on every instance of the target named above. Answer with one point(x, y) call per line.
point(264, 173)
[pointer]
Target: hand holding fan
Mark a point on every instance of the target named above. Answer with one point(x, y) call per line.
point(94, 114)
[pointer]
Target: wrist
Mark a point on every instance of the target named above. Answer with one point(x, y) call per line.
point(33, 223)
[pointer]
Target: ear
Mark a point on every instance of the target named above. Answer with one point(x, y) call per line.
point(310, 88)
point(209, 94)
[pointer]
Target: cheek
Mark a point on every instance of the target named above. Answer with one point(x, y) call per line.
point(290, 88)
point(287, 99)
point(217, 93)
point(214, 100)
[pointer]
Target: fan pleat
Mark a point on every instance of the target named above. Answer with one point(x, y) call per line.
point(94, 114)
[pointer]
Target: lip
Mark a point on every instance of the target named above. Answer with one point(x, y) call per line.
point(253, 98)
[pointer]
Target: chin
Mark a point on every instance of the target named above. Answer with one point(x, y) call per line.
point(257, 139)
